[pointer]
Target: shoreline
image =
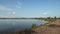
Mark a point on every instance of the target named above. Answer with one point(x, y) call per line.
point(51, 28)
point(31, 30)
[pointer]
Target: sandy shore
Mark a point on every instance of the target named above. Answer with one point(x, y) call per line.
point(52, 28)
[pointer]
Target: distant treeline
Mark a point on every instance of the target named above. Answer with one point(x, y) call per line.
point(34, 18)
point(48, 18)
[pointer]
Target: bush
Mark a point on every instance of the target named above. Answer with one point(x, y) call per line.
point(33, 25)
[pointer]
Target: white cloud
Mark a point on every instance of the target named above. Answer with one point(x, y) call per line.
point(14, 12)
point(4, 8)
point(45, 13)
point(9, 13)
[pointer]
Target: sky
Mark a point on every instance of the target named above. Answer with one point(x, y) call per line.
point(29, 8)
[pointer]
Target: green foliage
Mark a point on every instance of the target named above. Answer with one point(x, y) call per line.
point(34, 26)
point(55, 17)
point(48, 17)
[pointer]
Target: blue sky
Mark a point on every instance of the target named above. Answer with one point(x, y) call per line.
point(29, 8)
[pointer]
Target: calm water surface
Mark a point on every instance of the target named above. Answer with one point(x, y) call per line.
point(18, 24)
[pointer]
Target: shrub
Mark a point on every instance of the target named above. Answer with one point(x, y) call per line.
point(33, 25)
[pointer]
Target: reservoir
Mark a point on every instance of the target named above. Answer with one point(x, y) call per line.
point(11, 25)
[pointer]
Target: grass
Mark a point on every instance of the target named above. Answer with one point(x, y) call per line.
point(29, 30)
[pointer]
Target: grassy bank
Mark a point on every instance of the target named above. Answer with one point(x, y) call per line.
point(27, 30)
point(30, 30)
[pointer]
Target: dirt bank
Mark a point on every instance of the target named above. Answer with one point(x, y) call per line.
point(52, 28)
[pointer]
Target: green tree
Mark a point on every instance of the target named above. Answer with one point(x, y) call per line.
point(48, 17)
point(55, 17)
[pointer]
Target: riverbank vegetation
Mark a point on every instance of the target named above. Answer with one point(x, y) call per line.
point(27, 30)
point(30, 30)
